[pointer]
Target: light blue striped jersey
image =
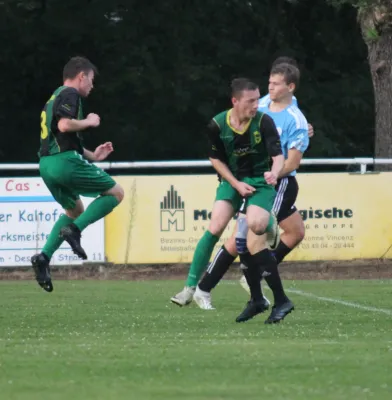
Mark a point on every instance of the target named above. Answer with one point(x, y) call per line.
point(291, 125)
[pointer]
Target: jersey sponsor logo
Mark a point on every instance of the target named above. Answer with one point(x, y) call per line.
point(257, 137)
point(172, 212)
point(242, 151)
point(66, 107)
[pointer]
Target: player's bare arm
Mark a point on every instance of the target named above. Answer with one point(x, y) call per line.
point(310, 130)
point(100, 153)
point(292, 162)
point(73, 125)
point(271, 177)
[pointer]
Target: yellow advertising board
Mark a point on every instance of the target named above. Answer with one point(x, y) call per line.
point(162, 217)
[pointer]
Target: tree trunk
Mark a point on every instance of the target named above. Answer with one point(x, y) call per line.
point(380, 60)
point(377, 31)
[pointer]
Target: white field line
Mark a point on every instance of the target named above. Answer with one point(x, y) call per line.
point(341, 302)
point(332, 300)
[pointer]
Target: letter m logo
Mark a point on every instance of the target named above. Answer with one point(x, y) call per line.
point(172, 212)
point(172, 219)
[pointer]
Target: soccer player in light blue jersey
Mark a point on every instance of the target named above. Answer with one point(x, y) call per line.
point(293, 128)
point(266, 99)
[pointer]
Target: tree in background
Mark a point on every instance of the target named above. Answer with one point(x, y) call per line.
point(375, 19)
point(165, 68)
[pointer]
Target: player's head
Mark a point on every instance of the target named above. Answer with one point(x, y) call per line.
point(284, 79)
point(245, 95)
point(80, 73)
point(285, 60)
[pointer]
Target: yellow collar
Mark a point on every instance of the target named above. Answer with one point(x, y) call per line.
point(233, 129)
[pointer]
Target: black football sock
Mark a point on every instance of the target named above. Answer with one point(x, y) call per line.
point(252, 275)
point(272, 277)
point(216, 270)
point(281, 252)
point(245, 259)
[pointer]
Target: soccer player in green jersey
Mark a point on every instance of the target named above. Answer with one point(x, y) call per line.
point(280, 105)
point(242, 142)
point(66, 169)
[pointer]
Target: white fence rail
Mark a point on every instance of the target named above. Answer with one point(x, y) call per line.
point(362, 162)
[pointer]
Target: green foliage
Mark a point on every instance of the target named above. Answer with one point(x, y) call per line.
point(372, 34)
point(361, 4)
point(165, 69)
point(355, 3)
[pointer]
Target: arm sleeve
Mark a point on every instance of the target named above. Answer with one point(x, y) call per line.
point(216, 148)
point(271, 136)
point(67, 104)
point(298, 138)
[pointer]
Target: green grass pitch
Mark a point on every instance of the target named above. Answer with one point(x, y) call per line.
point(125, 340)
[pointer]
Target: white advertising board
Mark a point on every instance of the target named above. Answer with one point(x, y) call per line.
point(27, 215)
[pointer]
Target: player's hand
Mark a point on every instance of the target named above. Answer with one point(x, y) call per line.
point(102, 151)
point(270, 178)
point(94, 120)
point(310, 130)
point(244, 189)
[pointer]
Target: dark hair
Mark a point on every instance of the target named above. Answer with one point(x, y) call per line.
point(76, 65)
point(290, 73)
point(238, 85)
point(285, 60)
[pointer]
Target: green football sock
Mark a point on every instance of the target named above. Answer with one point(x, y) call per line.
point(98, 209)
point(54, 240)
point(201, 257)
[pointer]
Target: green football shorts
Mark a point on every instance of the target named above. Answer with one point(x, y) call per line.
point(68, 175)
point(263, 197)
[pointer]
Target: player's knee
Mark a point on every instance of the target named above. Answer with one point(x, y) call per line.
point(216, 229)
point(117, 191)
point(230, 246)
point(70, 214)
point(119, 195)
point(74, 213)
point(258, 227)
point(217, 226)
